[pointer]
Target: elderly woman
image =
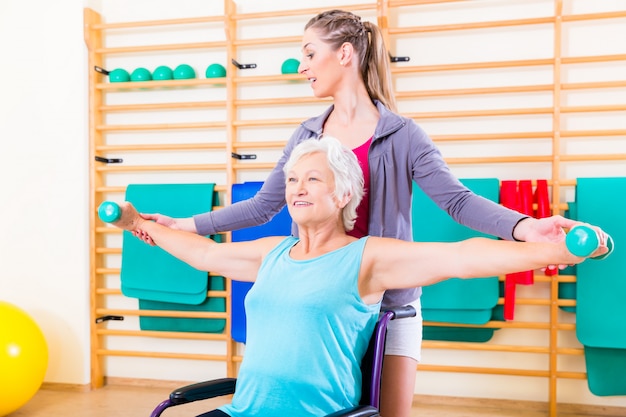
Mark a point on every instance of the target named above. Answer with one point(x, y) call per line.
point(321, 291)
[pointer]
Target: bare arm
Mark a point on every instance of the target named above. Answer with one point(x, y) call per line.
point(390, 263)
point(240, 260)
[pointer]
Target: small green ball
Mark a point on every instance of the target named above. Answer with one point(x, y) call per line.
point(140, 74)
point(119, 75)
point(290, 66)
point(162, 73)
point(215, 71)
point(184, 72)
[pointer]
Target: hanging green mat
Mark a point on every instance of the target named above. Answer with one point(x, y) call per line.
point(601, 285)
point(182, 324)
point(157, 279)
point(455, 300)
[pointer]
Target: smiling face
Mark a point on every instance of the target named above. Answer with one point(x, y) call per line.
point(310, 192)
point(320, 64)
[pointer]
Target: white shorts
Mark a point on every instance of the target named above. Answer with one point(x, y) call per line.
point(404, 336)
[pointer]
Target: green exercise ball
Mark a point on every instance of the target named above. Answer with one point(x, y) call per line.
point(162, 73)
point(119, 75)
point(290, 66)
point(215, 71)
point(140, 74)
point(184, 72)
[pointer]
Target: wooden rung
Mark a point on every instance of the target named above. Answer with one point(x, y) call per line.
point(260, 145)
point(107, 271)
point(253, 165)
point(472, 66)
point(144, 85)
point(493, 136)
point(297, 12)
point(162, 334)
point(436, 344)
point(474, 91)
point(593, 157)
point(162, 106)
point(400, 3)
point(161, 147)
point(471, 25)
point(480, 113)
point(267, 122)
point(122, 189)
point(590, 59)
point(161, 355)
point(592, 109)
point(483, 370)
point(500, 160)
point(117, 291)
point(161, 313)
point(263, 79)
point(593, 85)
point(506, 325)
point(593, 16)
point(161, 47)
point(261, 102)
point(162, 22)
point(268, 41)
point(584, 133)
point(169, 126)
point(108, 251)
point(137, 168)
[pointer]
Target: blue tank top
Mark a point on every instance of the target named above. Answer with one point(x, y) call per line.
point(307, 331)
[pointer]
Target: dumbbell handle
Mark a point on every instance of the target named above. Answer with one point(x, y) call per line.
point(583, 241)
point(109, 212)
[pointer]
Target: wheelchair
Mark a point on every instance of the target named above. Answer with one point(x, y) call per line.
point(371, 369)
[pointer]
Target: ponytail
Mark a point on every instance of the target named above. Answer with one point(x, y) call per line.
point(376, 70)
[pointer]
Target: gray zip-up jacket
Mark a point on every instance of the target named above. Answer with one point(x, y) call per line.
point(400, 153)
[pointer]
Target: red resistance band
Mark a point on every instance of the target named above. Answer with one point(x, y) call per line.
point(520, 197)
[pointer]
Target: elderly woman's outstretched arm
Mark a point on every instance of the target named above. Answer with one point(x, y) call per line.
point(240, 260)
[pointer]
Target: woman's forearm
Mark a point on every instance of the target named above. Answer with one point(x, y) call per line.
point(188, 247)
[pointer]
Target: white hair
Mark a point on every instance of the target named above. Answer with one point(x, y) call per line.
point(345, 168)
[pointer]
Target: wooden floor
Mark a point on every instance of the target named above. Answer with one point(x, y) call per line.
point(137, 401)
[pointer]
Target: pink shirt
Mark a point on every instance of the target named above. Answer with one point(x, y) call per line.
point(363, 210)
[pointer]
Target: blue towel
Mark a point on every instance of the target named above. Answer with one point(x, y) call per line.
point(280, 225)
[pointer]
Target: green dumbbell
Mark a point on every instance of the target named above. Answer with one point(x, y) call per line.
point(583, 241)
point(109, 212)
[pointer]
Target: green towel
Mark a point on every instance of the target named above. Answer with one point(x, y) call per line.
point(601, 285)
point(157, 279)
point(454, 300)
point(148, 272)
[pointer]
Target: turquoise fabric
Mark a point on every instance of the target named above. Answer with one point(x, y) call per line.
point(308, 330)
point(601, 285)
point(150, 273)
point(157, 279)
point(455, 300)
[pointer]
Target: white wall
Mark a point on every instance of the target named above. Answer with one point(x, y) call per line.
point(43, 128)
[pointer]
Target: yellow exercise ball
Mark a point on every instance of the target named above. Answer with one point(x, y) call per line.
point(23, 358)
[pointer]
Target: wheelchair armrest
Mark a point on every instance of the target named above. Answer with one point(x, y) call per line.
point(401, 312)
point(358, 411)
point(203, 390)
